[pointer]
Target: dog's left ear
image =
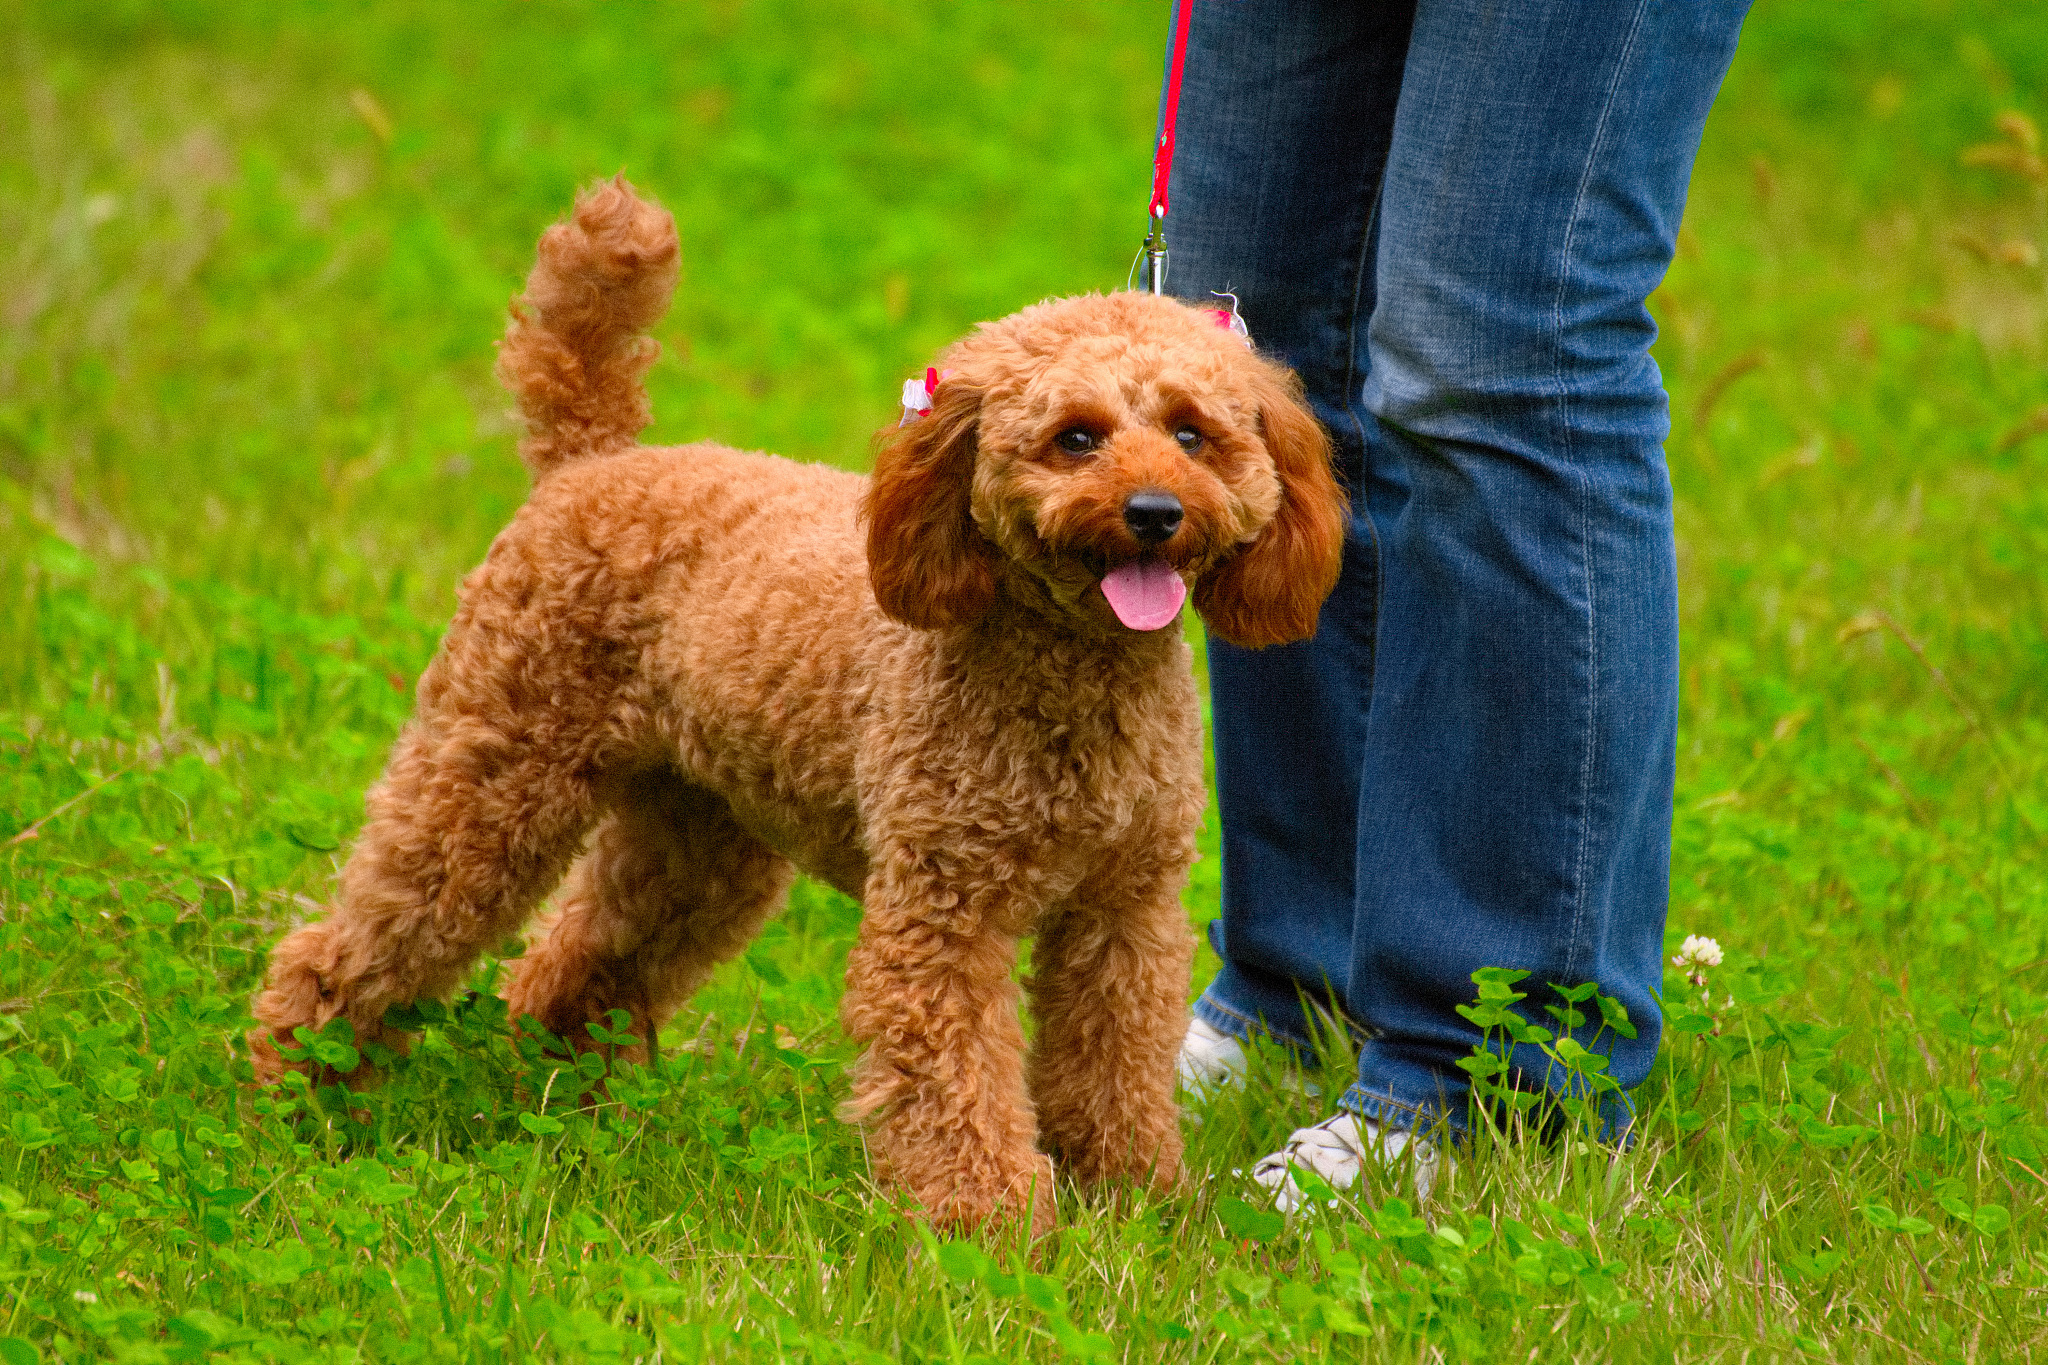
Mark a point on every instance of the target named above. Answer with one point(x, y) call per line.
point(929, 566)
point(1272, 590)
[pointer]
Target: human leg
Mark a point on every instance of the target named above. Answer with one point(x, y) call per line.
point(1286, 110)
point(1516, 777)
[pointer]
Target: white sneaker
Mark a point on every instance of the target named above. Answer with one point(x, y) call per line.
point(1336, 1150)
point(1209, 1058)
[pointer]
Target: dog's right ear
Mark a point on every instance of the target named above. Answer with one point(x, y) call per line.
point(929, 566)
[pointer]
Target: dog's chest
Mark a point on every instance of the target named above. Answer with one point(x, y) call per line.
point(1055, 780)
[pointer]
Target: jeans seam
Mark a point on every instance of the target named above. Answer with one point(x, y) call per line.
point(1351, 396)
point(1564, 405)
point(1353, 401)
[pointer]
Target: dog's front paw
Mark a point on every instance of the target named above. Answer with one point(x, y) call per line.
point(1093, 1156)
point(994, 1202)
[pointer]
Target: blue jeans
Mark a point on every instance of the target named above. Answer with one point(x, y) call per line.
point(1447, 216)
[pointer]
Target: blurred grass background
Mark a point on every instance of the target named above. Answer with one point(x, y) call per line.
point(253, 258)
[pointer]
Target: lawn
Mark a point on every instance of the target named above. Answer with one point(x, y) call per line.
point(252, 262)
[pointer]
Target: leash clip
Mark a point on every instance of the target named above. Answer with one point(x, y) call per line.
point(1154, 254)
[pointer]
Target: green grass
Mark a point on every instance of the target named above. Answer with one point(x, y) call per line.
point(248, 442)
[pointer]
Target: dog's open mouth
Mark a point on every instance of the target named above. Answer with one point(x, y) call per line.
point(1145, 594)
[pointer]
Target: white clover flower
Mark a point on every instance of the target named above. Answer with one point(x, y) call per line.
point(85, 1296)
point(1696, 952)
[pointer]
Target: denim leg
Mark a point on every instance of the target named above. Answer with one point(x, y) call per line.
point(1516, 786)
point(1286, 113)
point(1471, 764)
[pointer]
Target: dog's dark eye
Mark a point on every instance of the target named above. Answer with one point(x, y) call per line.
point(1189, 439)
point(1075, 440)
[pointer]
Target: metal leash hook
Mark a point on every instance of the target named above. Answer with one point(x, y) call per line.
point(1155, 254)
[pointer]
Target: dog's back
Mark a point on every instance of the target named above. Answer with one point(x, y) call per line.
point(735, 584)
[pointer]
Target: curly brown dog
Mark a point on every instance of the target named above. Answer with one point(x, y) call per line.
point(683, 673)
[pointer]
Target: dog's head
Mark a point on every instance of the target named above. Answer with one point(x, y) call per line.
point(1098, 458)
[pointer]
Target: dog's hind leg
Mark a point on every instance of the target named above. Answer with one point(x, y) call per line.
point(1109, 986)
point(670, 888)
point(466, 832)
point(524, 715)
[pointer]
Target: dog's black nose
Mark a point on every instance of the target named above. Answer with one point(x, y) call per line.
point(1152, 517)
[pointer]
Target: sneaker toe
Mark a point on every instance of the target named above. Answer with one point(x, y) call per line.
point(1209, 1058)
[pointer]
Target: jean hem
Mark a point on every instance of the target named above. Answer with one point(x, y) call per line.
point(1619, 1125)
point(1395, 1114)
point(1244, 1027)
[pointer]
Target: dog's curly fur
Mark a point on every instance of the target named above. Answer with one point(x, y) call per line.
point(682, 673)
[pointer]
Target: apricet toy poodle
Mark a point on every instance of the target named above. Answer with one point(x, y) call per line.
point(953, 690)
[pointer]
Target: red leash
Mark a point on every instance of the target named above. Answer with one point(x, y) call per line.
point(1162, 159)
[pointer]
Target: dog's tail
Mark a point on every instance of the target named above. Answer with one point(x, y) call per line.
point(575, 355)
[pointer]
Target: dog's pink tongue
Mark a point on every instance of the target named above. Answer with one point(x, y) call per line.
point(1145, 594)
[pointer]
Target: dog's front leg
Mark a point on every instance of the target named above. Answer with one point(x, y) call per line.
point(941, 1085)
point(1109, 986)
